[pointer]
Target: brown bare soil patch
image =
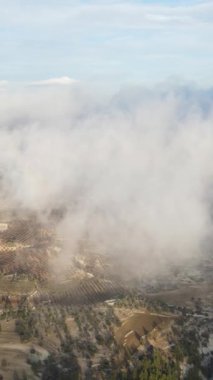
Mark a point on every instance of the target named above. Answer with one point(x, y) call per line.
point(138, 326)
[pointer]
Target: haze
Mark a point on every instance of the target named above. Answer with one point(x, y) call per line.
point(133, 171)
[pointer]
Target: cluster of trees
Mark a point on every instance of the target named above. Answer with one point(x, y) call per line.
point(61, 367)
point(25, 323)
point(150, 367)
point(95, 335)
point(187, 347)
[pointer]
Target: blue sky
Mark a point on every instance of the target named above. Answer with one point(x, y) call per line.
point(111, 42)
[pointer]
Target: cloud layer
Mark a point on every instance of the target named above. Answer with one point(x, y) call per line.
point(134, 172)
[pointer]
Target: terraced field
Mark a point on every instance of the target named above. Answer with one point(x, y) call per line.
point(138, 326)
point(80, 292)
point(23, 249)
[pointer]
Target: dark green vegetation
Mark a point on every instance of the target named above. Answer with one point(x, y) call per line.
point(81, 342)
point(153, 366)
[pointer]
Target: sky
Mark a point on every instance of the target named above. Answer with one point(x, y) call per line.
point(110, 42)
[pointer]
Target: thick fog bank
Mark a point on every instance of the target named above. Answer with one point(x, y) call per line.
point(133, 172)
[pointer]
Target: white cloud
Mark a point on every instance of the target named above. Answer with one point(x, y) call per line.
point(120, 14)
point(62, 81)
point(135, 172)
